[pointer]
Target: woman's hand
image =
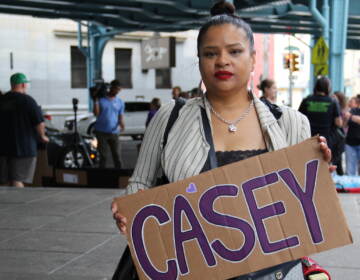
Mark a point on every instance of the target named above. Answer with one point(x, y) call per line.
point(326, 152)
point(119, 218)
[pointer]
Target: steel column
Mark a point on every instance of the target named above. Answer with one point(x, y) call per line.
point(339, 22)
point(97, 37)
point(324, 19)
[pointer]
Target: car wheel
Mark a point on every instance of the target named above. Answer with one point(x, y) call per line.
point(91, 129)
point(67, 159)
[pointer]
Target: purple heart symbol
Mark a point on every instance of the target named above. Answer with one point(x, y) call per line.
point(191, 188)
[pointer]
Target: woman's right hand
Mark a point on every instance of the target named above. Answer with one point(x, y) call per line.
point(119, 218)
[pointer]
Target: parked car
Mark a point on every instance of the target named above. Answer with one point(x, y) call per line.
point(63, 152)
point(134, 117)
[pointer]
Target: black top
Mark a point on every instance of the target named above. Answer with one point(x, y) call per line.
point(234, 156)
point(19, 115)
point(321, 112)
point(274, 109)
point(353, 134)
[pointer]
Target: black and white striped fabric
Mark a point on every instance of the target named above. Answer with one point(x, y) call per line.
point(186, 150)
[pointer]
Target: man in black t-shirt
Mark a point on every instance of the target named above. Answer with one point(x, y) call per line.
point(21, 124)
point(321, 110)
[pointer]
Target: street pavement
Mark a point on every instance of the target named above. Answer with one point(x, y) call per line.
point(69, 234)
point(128, 152)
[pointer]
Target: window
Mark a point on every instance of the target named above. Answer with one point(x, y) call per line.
point(78, 68)
point(163, 78)
point(137, 106)
point(123, 67)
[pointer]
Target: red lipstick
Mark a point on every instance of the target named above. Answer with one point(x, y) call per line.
point(223, 75)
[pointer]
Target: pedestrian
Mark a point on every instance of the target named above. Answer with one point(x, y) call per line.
point(155, 105)
point(343, 104)
point(269, 93)
point(109, 112)
point(352, 102)
point(321, 110)
point(240, 125)
point(352, 142)
point(176, 92)
point(337, 134)
point(269, 90)
point(22, 124)
point(184, 94)
point(196, 92)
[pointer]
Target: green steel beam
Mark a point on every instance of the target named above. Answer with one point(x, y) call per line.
point(170, 15)
point(88, 8)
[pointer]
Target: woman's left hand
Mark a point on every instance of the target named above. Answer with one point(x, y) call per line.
point(326, 152)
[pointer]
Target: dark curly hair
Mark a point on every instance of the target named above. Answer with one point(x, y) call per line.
point(224, 13)
point(267, 83)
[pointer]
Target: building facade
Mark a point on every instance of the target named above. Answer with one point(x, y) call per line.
point(46, 51)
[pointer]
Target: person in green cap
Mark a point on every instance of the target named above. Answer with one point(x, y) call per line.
point(22, 124)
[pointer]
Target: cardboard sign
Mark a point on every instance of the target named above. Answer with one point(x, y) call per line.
point(237, 219)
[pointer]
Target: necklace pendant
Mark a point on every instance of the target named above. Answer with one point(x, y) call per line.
point(232, 128)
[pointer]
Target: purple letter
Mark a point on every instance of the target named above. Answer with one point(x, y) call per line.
point(181, 204)
point(137, 234)
point(206, 205)
point(306, 198)
point(259, 214)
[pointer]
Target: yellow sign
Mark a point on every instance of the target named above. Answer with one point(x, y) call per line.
point(321, 69)
point(320, 52)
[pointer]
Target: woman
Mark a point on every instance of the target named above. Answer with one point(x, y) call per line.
point(352, 102)
point(176, 92)
point(321, 110)
point(226, 59)
point(352, 146)
point(155, 105)
point(338, 134)
point(269, 90)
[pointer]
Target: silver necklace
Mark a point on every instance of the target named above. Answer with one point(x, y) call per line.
point(232, 124)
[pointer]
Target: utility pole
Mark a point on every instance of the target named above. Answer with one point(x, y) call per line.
point(290, 76)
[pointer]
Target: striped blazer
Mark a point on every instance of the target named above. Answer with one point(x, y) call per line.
point(187, 149)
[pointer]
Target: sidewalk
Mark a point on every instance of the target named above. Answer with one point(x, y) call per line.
point(53, 233)
point(69, 234)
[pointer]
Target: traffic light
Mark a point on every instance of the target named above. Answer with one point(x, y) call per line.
point(291, 62)
point(286, 61)
point(294, 64)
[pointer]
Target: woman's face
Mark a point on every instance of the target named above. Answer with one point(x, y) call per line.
point(352, 103)
point(225, 59)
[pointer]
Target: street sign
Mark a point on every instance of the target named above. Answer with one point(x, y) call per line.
point(321, 69)
point(158, 53)
point(320, 52)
